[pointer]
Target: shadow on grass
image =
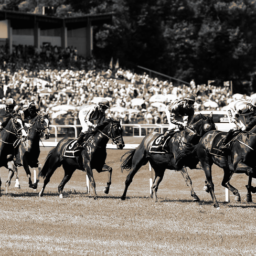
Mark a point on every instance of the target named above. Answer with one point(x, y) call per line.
point(247, 205)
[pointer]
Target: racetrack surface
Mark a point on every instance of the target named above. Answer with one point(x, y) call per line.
point(80, 225)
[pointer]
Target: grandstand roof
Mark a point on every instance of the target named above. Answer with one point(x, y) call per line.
point(27, 20)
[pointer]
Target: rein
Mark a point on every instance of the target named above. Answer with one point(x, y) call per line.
point(16, 132)
point(113, 139)
point(39, 130)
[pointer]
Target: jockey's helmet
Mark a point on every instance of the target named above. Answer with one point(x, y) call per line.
point(32, 108)
point(190, 100)
point(104, 104)
point(10, 104)
point(253, 101)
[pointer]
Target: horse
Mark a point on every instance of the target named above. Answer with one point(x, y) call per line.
point(10, 136)
point(29, 149)
point(179, 154)
point(239, 157)
point(91, 156)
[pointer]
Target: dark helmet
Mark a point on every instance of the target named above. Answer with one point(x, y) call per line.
point(32, 105)
point(190, 98)
point(32, 108)
point(104, 104)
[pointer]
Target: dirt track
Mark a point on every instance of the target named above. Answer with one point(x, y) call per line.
point(79, 225)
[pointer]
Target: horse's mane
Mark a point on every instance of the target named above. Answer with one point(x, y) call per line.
point(198, 117)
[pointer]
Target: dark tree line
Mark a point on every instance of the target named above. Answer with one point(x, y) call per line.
point(199, 39)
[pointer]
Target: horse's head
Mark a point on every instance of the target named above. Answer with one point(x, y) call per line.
point(202, 124)
point(15, 126)
point(42, 125)
point(113, 130)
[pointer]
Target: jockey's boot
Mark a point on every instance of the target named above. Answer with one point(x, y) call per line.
point(224, 146)
point(80, 139)
point(166, 134)
point(83, 136)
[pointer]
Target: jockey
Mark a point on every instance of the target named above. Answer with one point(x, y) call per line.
point(238, 112)
point(28, 112)
point(175, 112)
point(89, 115)
point(10, 110)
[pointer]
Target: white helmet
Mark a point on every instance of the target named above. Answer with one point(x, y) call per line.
point(253, 101)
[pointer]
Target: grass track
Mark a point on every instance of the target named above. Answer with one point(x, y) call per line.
point(79, 225)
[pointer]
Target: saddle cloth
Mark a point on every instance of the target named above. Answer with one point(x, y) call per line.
point(71, 150)
point(214, 150)
point(157, 146)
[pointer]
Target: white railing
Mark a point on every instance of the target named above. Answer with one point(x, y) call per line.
point(140, 127)
point(137, 130)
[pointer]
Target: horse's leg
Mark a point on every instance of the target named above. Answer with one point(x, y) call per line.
point(0, 187)
point(153, 182)
point(188, 181)
point(159, 174)
point(68, 174)
point(207, 167)
point(51, 164)
point(225, 183)
point(17, 182)
point(249, 190)
point(27, 170)
point(10, 175)
point(108, 169)
point(136, 164)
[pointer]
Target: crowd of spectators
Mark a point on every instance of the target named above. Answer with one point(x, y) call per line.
point(56, 77)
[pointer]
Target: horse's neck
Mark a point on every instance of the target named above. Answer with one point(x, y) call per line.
point(33, 135)
point(7, 134)
point(100, 139)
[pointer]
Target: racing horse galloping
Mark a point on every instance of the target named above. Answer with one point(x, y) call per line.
point(91, 156)
point(177, 157)
point(29, 149)
point(239, 157)
point(10, 135)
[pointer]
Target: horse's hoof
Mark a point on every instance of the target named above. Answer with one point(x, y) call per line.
point(106, 190)
point(238, 198)
point(249, 198)
point(61, 196)
point(122, 198)
point(206, 189)
point(95, 197)
point(196, 199)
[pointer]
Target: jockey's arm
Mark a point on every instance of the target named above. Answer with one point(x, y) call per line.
point(190, 116)
point(84, 118)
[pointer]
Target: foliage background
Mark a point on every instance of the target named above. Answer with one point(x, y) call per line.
point(187, 39)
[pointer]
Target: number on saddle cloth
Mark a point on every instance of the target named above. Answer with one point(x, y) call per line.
point(159, 143)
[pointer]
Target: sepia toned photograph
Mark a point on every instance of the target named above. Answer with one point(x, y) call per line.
point(127, 127)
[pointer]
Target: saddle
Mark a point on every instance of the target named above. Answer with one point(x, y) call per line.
point(158, 146)
point(72, 149)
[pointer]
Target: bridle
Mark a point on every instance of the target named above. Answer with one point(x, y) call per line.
point(192, 129)
point(16, 131)
point(114, 139)
point(40, 130)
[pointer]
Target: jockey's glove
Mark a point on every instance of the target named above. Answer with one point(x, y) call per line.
point(27, 125)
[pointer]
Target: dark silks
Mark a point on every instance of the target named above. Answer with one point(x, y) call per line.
point(239, 157)
point(179, 154)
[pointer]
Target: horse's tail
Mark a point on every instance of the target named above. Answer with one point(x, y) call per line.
point(127, 162)
point(48, 165)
